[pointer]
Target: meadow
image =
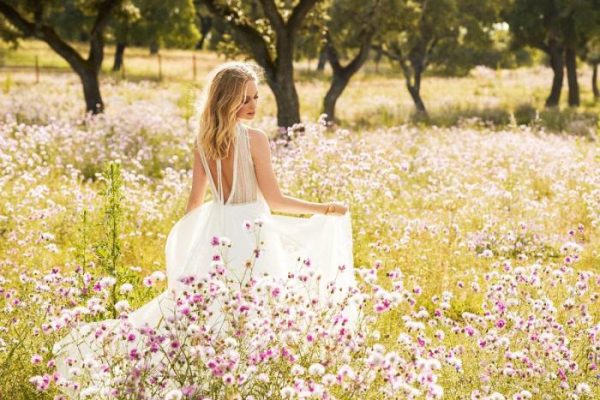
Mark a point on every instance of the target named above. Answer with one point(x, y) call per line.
point(476, 238)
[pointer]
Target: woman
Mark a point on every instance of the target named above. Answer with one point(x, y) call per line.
point(234, 160)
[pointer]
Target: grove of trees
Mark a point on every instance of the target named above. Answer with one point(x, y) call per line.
point(415, 35)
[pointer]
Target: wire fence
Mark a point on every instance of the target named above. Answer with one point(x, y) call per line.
point(158, 67)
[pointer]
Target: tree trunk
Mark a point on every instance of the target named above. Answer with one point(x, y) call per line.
point(571, 64)
point(281, 75)
point(88, 71)
point(595, 81)
point(205, 26)
point(415, 94)
point(414, 88)
point(154, 47)
point(377, 58)
point(118, 62)
point(278, 67)
point(91, 90)
point(286, 97)
point(322, 60)
point(200, 43)
point(280, 79)
point(338, 84)
point(555, 52)
point(342, 75)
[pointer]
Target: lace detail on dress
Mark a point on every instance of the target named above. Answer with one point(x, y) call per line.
point(244, 187)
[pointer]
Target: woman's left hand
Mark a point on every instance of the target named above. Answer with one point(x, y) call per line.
point(338, 209)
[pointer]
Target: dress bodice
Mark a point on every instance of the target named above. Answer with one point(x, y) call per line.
point(244, 187)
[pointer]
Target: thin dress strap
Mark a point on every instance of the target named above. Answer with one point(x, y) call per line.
point(207, 172)
point(219, 180)
point(218, 188)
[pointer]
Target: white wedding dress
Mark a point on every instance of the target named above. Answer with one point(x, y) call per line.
point(325, 240)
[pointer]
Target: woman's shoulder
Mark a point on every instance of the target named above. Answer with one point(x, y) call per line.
point(255, 133)
point(257, 137)
point(259, 141)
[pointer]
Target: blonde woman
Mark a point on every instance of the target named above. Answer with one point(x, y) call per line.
point(234, 160)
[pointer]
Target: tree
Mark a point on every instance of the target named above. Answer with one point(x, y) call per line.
point(417, 30)
point(121, 26)
point(206, 24)
point(154, 23)
point(34, 19)
point(592, 56)
point(8, 33)
point(561, 29)
point(343, 36)
point(270, 41)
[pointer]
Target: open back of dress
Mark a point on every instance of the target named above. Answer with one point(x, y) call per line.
point(243, 187)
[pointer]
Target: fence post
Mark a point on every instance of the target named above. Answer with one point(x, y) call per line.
point(194, 66)
point(159, 67)
point(37, 69)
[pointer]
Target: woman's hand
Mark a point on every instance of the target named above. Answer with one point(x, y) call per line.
point(336, 208)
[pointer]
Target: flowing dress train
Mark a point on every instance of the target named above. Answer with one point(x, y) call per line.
point(325, 240)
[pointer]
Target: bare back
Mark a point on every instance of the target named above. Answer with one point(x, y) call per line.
point(232, 179)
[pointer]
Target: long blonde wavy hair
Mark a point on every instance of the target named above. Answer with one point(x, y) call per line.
point(222, 97)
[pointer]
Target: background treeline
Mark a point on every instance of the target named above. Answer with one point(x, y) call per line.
point(418, 37)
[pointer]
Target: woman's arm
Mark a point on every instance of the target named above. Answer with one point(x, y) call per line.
point(261, 155)
point(199, 181)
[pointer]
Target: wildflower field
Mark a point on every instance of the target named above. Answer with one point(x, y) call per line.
point(476, 247)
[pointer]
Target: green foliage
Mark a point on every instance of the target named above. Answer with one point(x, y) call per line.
point(108, 250)
point(571, 121)
point(443, 32)
point(457, 58)
point(139, 22)
point(8, 82)
point(70, 19)
point(8, 33)
point(525, 114)
point(156, 23)
point(349, 20)
point(591, 52)
point(187, 100)
point(81, 250)
point(227, 42)
point(464, 115)
point(73, 21)
point(537, 22)
point(307, 41)
point(419, 34)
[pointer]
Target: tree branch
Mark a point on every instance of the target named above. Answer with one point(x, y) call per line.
point(252, 38)
point(298, 15)
point(363, 54)
point(397, 56)
point(104, 12)
point(43, 32)
point(332, 54)
point(273, 15)
point(388, 54)
point(26, 27)
point(96, 53)
point(38, 13)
